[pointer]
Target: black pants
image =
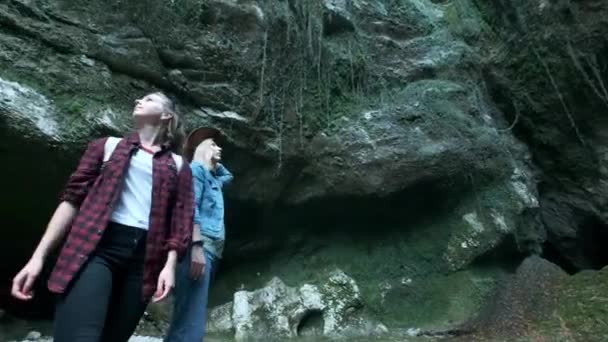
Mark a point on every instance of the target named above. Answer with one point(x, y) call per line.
point(104, 302)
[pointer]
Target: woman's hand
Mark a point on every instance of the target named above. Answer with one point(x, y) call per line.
point(24, 280)
point(166, 282)
point(55, 232)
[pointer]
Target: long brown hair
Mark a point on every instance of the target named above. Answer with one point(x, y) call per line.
point(171, 133)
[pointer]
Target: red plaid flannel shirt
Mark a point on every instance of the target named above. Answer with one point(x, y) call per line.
point(95, 188)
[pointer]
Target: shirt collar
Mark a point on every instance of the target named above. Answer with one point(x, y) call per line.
point(133, 139)
point(201, 166)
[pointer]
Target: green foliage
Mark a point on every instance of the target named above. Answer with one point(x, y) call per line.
point(309, 82)
point(75, 106)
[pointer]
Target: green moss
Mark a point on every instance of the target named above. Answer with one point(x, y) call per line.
point(581, 309)
point(576, 311)
point(440, 301)
point(76, 91)
point(75, 107)
point(463, 19)
point(402, 276)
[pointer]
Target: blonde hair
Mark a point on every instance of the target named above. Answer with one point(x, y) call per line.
point(171, 133)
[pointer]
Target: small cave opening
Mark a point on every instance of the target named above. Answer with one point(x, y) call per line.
point(311, 324)
point(552, 253)
point(594, 238)
point(586, 251)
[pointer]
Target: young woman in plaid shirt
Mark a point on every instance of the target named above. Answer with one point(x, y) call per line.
point(126, 221)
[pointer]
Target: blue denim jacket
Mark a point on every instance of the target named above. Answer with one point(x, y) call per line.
point(209, 203)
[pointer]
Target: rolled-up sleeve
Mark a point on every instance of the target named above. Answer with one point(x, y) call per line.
point(224, 175)
point(180, 234)
point(199, 184)
point(86, 173)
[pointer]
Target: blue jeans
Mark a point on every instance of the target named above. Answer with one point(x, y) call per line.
point(104, 303)
point(190, 302)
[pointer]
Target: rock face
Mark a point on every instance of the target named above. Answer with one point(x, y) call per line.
point(548, 74)
point(280, 311)
point(423, 147)
point(367, 90)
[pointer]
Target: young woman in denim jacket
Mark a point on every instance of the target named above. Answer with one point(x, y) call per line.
point(208, 236)
point(126, 218)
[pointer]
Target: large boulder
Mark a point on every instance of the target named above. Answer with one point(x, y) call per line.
point(280, 311)
point(542, 301)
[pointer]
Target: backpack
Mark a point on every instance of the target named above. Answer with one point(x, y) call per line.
point(111, 143)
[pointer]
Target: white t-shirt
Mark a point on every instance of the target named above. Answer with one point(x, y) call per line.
point(133, 206)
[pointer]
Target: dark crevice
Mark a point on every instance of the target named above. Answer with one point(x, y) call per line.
point(505, 255)
point(584, 251)
point(594, 238)
point(426, 198)
point(29, 195)
point(68, 21)
point(311, 324)
point(257, 232)
point(335, 23)
point(551, 253)
point(28, 11)
point(14, 25)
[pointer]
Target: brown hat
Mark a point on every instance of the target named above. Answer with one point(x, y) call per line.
point(199, 135)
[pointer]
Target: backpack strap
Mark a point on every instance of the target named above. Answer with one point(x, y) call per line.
point(112, 142)
point(109, 147)
point(179, 161)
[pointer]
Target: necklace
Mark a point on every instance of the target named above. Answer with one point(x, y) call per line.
point(147, 149)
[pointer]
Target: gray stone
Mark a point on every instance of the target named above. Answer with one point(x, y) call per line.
point(278, 310)
point(23, 107)
point(33, 336)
